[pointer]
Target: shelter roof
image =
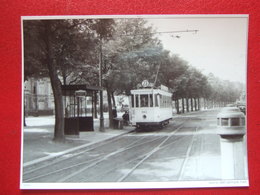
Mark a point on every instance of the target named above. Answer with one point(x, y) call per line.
point(70, 89)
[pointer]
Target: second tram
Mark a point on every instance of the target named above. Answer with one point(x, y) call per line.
point(150, 107)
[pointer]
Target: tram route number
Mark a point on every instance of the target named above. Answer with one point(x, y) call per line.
point(145, 83)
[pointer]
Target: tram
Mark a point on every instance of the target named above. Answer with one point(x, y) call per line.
point(150, 107)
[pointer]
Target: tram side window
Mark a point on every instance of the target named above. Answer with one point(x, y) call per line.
point(235, 121)
point(224, 121)
point(137, 101)
point(157, 99)
point(161, 101)
point(144, 100)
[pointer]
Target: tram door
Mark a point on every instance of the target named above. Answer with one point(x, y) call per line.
point(78, 113)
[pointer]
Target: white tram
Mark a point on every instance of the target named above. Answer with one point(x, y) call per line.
point(150, 107)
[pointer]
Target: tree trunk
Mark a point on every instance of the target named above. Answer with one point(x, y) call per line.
point(56, 86)
point(187, 105)
point(191, 104)
point(177, 106)
point(110, 109)
point(113, 99)
point(95, 105)
point(182, 103)
point(198, 103)
point(195, 104)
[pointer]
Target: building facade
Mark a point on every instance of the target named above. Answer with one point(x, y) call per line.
point(38, 97)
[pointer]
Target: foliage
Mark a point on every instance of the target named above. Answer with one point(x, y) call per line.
point(70, 52)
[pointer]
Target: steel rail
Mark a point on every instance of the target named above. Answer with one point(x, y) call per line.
point(70, 157)
point(158, 147)
point(134, 159)
point(187, 156)
point(132, 145)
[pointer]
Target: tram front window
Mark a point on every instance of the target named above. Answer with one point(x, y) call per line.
point(144, 100)
point(151, 100)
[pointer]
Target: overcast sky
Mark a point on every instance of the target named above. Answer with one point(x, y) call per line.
point(219, 46)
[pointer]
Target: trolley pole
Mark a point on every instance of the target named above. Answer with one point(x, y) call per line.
point(101, 126)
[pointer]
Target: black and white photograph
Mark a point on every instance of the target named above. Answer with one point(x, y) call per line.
point(134, 101)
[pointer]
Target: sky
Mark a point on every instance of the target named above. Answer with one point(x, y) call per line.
point(219, 46)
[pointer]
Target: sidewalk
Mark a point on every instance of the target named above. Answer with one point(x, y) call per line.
point(38, 144)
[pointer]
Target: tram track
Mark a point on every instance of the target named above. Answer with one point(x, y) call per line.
point(68, 156)
point(187, 155)
point(156, 149)
point(141, 158)
point(73, 170)
point(147, 156)
point(28, 175)
point(62, 160)
point(136, 160)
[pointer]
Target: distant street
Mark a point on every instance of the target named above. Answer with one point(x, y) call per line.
point(187, 149)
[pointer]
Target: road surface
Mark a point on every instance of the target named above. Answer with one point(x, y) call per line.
point(187, 149)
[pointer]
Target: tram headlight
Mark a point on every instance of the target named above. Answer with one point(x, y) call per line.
point(144, 116)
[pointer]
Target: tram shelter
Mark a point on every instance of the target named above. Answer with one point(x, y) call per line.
point(79, 107)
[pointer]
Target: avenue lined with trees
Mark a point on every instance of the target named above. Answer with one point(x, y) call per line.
point(71, 52)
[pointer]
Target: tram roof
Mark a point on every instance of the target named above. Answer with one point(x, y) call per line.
point(150, 91)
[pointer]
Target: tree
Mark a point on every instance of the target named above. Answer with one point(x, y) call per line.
point(52, 45)
point(129, 56)
point(223, 92)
